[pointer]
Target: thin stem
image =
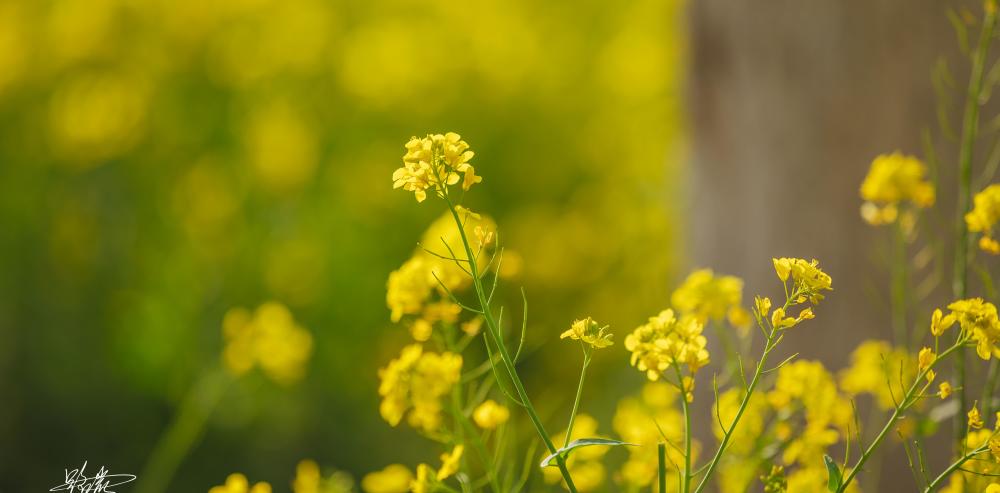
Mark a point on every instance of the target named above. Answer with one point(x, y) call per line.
point(970, 128)
point(955, 466)
point(686, 486)
point(661, 452)
point(579, 392)
point(897, 413)
point(183, 433)
point(494, 332)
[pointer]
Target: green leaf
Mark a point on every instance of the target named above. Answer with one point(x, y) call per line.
point(832, 484)
point(550, 461)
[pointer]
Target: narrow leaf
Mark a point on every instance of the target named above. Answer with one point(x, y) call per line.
point(835, 480)
point(575, 444)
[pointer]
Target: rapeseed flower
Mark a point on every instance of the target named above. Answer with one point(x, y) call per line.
point(635, 421)
point(589, 332)
point(434, 163)
point(413, 384)
point(871, 363)
point(925, 358)
point(667, 340)
point(268, 338)
point(941, 322)
point(978, 319)
point(894, 180)
point(308, 479)
point(808, 280)
point(984, 216)
point(975, 420)
point(395, 478)
point(709, 297)
point(237, 483)
point(944, 390)
point(490, 414)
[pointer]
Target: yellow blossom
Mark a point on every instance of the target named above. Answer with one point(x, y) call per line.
point(975, 420)
point(894, 179)
point(308, 479)
point(450, 462)
point(992, 488)
point(268, 338)
point(925, 358)
point(425, 480)
point(978, 318)
point(984, 216)
point(489, 415)
point(667, 340)
point(237, 483)
point(944, 390)
point(434, 163)
point(707, 296)
point(871, 362)
point(807, 278)
point(590, 332)
point(940, 322)
point(395, 478)
point(763, 305)
point(413, 384)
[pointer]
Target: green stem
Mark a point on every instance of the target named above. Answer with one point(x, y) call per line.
point(970, 128)
point(182, 433)
point(494, 332)
point(661, 452)
point(768, 346)
point(953, 467)
point(686, 486)
point(579, 392)
point(897, 413)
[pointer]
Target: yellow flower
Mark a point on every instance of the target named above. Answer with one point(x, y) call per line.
point(706, 296)
point(667, 340)
point(891, 180)
point(870, 363)
point(489, 415)
point(808, 280)
point(944, 390)
point(979, 319)
point(413, 384)
point(434, 163)
point(425, 480)
point(925, 358)
point(590, 332)
point(763, 305)
point(268, 338)
point(940, 322)
point(975, 420)
point(992, 488)
point(984, 216)
point(308, 479)
point(450, 462)
point(237, 483)
point(395, 478)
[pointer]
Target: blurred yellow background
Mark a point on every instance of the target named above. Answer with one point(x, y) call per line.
point(164, 161)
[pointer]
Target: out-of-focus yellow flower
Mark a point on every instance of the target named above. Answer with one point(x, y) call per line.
point(395, 478)
point(667, 340)
point(589, 332)
point(808, 386)
point(412, 386)
point(707, 296)
point(490, 414)
point(975, 420)
point(282, 147)
point(269, 338)
point(434, 163)
point(894, 179)
point(425, 480)
point(584, 464)
point(944, 390)
point(992, 488)
point(237, 483)
point(450, 462)
point(408, 288)
point(984, 216)
point(807, 278)
point(308, 479)
point(979, 319)
point(925, 358)
point(775, 480)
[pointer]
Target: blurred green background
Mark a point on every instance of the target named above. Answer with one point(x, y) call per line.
point(163, 161)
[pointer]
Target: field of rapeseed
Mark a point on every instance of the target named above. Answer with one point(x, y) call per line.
point(223, 278)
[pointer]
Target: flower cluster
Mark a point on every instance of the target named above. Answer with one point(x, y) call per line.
point(894, 179)
point(984, 217)
point(589, 332)
point(808, 281)
point(978, 320)
point(709, 297)
point(434, 163)
point(237, 483)
point(413, 384)
point(871, 362)
point(667, 340)
point(269, 338)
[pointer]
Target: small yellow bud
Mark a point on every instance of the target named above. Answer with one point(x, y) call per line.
point(944, 390)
